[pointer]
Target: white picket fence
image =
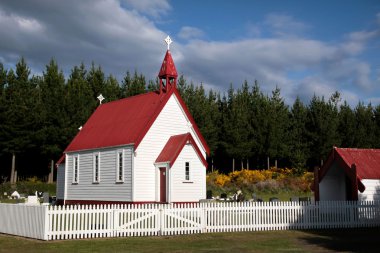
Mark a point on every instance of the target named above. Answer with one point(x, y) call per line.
point(72, 222)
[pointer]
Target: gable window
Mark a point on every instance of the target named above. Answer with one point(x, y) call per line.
point(76, 169)
point(187, 171)
point(96, 177)
point(120, 167)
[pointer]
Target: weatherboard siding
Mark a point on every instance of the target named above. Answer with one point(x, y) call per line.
point(171, 121)
point(372, 190)
point(191, 190)
point(107, 189)
point(61, 181)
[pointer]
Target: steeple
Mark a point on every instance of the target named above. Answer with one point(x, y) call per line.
point(168, 73)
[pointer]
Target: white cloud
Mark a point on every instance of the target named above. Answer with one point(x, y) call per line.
point(356, 41)
point(362, 36)
point(73, 32)
point(28, 25)
point(188, 32)
point(153, 8)
point(328, 67)
point(121, 38)
point(285, 25)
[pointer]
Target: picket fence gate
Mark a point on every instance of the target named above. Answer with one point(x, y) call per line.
point(86, 221)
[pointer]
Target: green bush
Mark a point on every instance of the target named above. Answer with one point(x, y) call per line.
point(28, 187)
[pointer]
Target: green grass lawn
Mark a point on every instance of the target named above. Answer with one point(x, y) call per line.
point(352, 240)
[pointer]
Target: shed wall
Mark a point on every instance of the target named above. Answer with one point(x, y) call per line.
point(372, 190)
point(333, 185)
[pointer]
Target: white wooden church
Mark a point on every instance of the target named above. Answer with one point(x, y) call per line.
point(142, 149)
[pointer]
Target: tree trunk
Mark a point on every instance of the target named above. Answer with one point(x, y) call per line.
point(13, 168)
point(212, 164)
point(275, 163)
point(242, 165)
point(50, 178)
point(268, 165)
point(247, 164)
point(233, 164)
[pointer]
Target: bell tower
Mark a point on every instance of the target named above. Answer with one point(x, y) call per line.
point(168, 73)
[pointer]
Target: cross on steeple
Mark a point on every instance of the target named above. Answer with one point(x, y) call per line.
point(168, 73)
point(168, 41)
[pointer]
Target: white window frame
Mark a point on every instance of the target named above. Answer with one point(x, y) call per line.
point(96, 168)
point(119, 166)
point(187, 171)
point(75, 169)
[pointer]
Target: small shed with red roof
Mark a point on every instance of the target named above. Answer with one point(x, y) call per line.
point(349, 174)
point(142, 149)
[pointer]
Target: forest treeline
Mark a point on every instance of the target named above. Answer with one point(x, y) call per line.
point(245, 128)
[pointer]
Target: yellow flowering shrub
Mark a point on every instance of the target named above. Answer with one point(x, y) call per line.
point(246, 176)
point(222, 180)
point(273, 179)
point(215, 178)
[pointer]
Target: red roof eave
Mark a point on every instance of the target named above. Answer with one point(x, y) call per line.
point(61, 160)
point(174, 146)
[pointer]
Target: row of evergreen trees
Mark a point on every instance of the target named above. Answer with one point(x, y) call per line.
point(257, 130)
point(245, 128)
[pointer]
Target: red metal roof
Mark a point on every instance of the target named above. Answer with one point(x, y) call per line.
point(168, 67)
point(367, 161)
point(126, 121)
point(174, 147)
point(118, 123)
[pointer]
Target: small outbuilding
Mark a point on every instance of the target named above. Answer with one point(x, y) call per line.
point(349, 174)
point(141, 149)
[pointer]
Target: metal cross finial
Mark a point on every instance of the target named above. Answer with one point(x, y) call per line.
point(101, 98)
point(168, 41)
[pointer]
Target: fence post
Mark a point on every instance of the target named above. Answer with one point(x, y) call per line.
point(203, 216)
point(46, 225)
point(115, 218)
point(161, 220)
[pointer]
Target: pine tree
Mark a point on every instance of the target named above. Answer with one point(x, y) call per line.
point(376, 115)
point(277, 127)
point(112, 89)
point(55, 121)
point(17, 128)
point(347, 126)
point(80, 101)
point(365, 126)
point(322, 127)
point(237, 125)
point(133, 86)
point(96, 80)
point(297, 133)
point(259, 121)
point(153, 85)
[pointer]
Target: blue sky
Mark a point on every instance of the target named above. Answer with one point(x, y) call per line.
point(303, 47)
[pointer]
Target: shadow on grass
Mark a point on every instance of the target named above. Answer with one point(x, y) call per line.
point(349, 239)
